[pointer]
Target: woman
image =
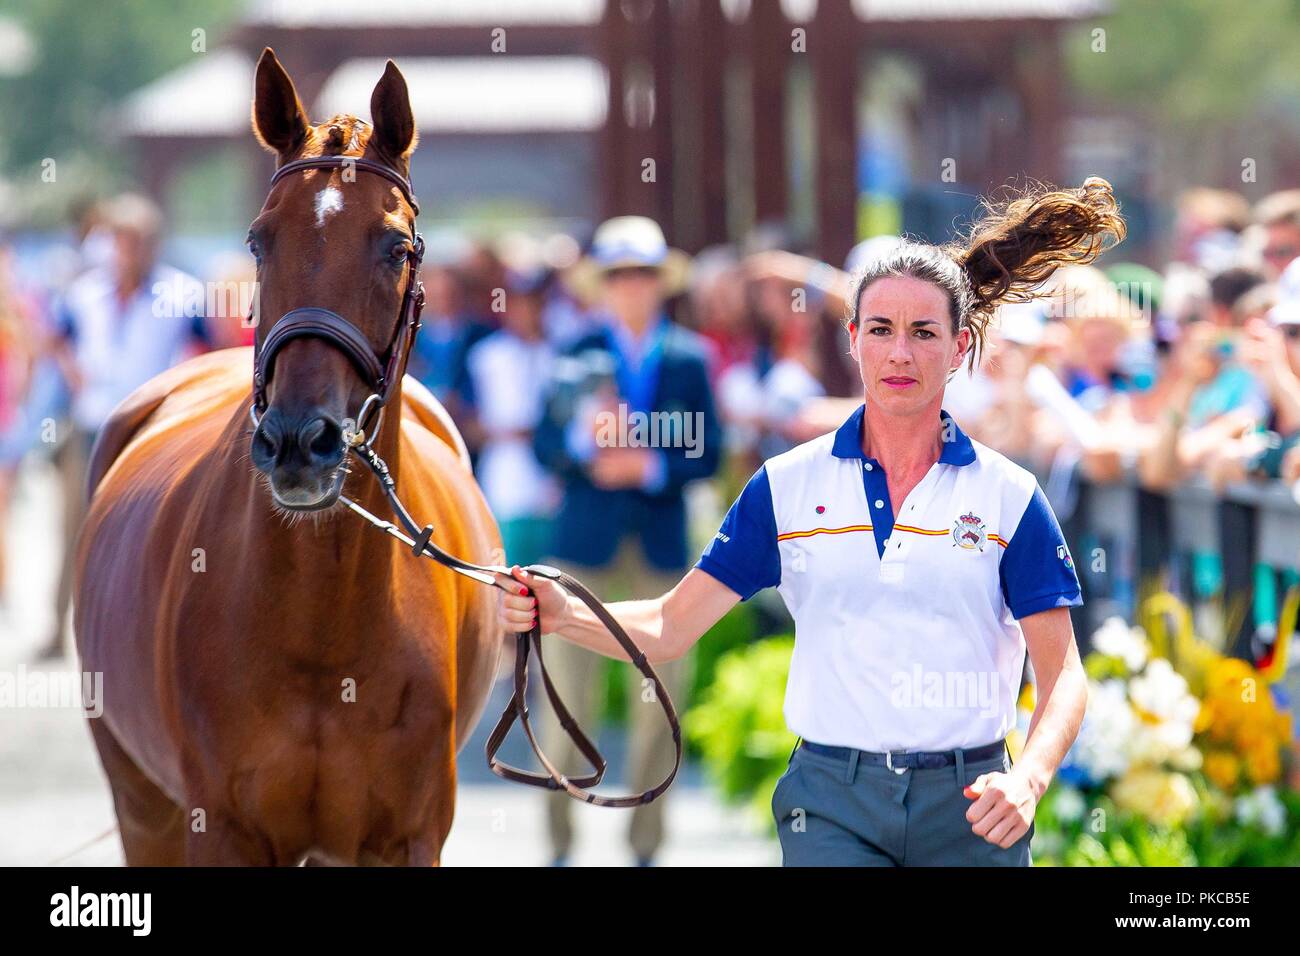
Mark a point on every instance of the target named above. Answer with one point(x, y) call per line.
point(917, 565)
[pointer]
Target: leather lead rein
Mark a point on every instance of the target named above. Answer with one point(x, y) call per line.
point(418, 539)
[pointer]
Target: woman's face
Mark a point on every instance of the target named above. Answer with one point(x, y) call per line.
point(904, 343)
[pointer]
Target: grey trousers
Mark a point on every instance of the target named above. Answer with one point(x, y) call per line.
point(830, 812)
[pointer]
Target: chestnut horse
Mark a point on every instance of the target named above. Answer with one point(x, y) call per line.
point(283, 684)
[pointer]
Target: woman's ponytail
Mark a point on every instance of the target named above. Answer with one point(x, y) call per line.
point(1016, 246)
point(1006, 255)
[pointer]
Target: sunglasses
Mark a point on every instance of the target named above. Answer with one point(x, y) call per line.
point(644, 272)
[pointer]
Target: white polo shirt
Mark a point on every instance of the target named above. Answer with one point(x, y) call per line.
point(119, 347)
point(906, 627)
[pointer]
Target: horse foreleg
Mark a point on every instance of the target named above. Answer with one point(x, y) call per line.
point(151, 826)
point(221, 841)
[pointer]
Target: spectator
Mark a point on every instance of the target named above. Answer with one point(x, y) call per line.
point(1102, 324)
point(449, 329)
point(1271, 350)
point(617, 492)
point(507, 372)
point(119, 326)
point(18, 339)
point(1278, 216)
point(718, 309)
point(1207, 228)
point(1213, 399)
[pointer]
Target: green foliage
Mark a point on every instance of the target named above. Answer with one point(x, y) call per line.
point(1191, 62)
point(739, 725)
point(1134, 844)
point(737, 628)
point(1212, 838)
point(89, 56)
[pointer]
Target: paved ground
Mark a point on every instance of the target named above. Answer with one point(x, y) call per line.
point(53, 796)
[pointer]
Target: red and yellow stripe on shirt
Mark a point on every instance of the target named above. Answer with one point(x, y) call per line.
point(866, 527)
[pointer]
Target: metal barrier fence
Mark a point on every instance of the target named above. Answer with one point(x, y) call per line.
point(1230, 556)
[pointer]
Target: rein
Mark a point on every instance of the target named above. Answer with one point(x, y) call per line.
point(382, 375)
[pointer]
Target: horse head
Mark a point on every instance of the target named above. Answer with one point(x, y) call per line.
point(338, 273)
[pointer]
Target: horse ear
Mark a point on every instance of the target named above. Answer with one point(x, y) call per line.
point(279, 120)
point(390, 110)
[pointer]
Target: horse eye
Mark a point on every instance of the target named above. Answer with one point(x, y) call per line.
point(399, 252)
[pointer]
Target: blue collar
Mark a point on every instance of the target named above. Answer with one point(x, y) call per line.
point(635, 347)
point(848, 440)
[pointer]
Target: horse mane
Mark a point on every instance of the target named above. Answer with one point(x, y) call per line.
point(343, 134)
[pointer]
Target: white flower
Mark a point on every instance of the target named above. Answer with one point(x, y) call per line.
point(1069, 804)
point(1116, 639)
point(1166, 741)
point(1162, 692)
point(1163, 732)
point(1101, 749)
point(1262, 808)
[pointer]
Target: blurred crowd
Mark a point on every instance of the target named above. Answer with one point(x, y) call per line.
point(1193, 370)
point(705, 366)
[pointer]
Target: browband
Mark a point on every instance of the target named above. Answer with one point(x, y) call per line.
point(354, 162)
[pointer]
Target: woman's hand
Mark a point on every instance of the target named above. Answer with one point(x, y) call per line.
point(1263, 351)
point(1003, 809)
point(516, 611)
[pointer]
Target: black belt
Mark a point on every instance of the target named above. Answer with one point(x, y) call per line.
point(912, 758)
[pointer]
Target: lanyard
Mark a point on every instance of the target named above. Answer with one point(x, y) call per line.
point(639, 386)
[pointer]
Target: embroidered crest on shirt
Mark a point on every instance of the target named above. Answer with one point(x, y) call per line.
point(968, 532)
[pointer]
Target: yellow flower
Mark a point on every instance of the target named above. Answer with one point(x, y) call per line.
point(1222, 768)
point(1262, 763)
point(1205, 717)
point(1161, 797)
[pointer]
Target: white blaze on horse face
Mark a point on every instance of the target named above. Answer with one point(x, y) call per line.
point(328, 201)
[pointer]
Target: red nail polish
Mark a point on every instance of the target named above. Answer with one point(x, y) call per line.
point(523, 590)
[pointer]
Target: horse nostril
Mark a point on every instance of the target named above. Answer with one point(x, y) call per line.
point(266, 446)
point(322, 438)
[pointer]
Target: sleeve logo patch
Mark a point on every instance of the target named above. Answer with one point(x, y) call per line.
point(1064, 554)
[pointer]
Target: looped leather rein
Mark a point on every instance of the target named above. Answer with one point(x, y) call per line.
point(418, 540)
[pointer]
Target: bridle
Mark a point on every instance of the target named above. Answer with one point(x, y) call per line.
point(380, 372)
point(382, 375)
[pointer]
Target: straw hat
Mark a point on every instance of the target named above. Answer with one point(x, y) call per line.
point(630, 242)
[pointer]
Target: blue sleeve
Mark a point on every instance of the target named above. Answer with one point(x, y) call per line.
point(1037, 571)
point(657, 476)
point(743, 555)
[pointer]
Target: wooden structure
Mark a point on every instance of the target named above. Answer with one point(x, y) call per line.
point(699, 107)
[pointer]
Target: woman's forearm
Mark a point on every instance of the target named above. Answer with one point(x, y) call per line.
point(642, 620)
point(1053, 727)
